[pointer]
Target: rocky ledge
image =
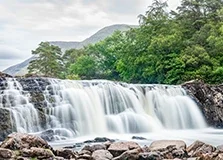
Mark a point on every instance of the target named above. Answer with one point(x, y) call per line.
point(24, 146)
point(210, 100)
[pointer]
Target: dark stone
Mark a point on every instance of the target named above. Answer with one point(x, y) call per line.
point(210, 100)
point(48, 135)
point(5, 123)
point(65, 153)
point(138, 138)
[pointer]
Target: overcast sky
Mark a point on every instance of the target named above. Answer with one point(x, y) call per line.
point(25, 23)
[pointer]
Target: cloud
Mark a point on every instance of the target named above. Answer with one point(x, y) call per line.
point(7, 52)
point(25, 23)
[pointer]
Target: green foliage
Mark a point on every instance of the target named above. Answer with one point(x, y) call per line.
point(48, 61)
point(167, 47)
point(85, 67)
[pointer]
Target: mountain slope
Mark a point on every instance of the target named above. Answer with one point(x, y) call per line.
point(21, 68)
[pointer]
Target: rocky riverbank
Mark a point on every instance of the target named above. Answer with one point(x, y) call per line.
point(210, 100)
point(19, 146)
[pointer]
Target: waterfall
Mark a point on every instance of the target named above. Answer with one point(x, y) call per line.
point(76, 108)
point(24, 116)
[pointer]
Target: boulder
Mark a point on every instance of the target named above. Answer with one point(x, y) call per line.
point(18, 141)
point(39, 153)
point(5, 153)
point(198, 148)
point(138, 138)
point(101, 155)
point(65, 153)
point(220, 148)
point(130, 155)
point(94, 147)
point(219, 157)
point(150, 156)
point(160, 144)
point(117, 148)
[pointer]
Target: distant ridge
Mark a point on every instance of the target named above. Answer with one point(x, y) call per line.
point(21, 68)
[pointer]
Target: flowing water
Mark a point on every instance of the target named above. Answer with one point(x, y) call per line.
point(99, 107)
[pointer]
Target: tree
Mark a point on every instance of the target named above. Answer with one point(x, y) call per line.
point(85, 67)
point(48, 60)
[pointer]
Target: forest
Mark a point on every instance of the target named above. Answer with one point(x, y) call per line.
point(168, 47)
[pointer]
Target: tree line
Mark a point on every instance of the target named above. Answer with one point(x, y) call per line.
point(168, 47)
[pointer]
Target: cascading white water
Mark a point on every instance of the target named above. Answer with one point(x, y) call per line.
point(75, 108)
point(23, 114)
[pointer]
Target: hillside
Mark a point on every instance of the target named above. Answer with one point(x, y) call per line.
point(21, 68)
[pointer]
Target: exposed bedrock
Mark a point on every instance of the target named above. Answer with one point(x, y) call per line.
point(210, 100)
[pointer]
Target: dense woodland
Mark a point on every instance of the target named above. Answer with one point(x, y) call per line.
point(168, 47)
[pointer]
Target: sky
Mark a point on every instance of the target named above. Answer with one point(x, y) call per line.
point(25, 23)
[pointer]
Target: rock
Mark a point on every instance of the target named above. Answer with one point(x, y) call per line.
point(130, 155)
point(5, 153)
point(102, 155)
point(22, 158)
point(210, 100)
point(220, 148)
point(117, 148)
point(198, 148)
point(58, 158)
point(160, 144)
point(94, 147)
point(48, 135)
point(82, 152)
point(85, 157)
point(150, 156)
point(65, 153)
point(139, 138)
point(18, 141)
point(103, 139)
point(39, 153)
point(4, 75)
point(5, 123)
point(219, 157)
point(99, 140)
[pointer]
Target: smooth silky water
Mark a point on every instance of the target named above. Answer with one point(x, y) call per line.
point(82, 110)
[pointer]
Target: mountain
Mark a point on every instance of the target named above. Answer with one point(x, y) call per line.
point(21, 68)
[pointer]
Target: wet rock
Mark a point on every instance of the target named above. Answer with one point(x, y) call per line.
point(5, 75)
point(198, 148)
point(65, 153)
point(5, 123)
point(103, 139)
point(5, 153)
point(102, 155)
point(117, 148)
point(18, 141)
point(210, 100)
point(94, 147)
point(130, 155)
point(99, 140)
point(160, 144)
point(138, 138)
point(48, 135)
